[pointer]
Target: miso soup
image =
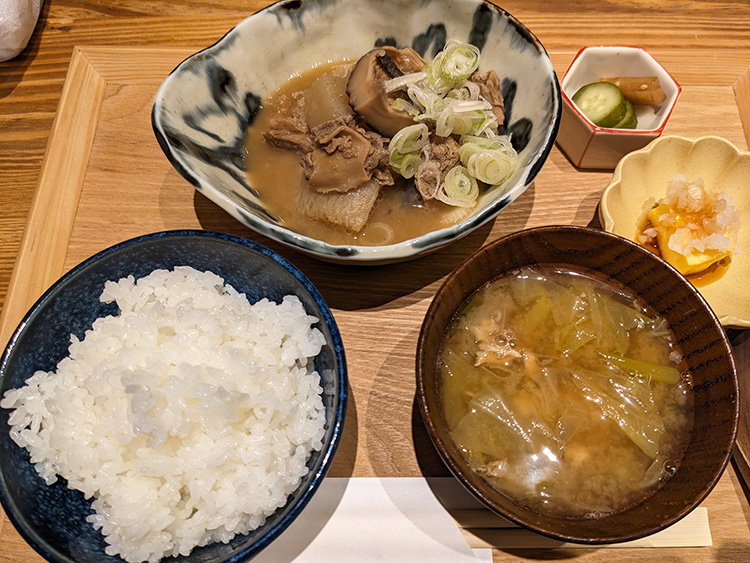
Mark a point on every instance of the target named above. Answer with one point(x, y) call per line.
point(565, 393)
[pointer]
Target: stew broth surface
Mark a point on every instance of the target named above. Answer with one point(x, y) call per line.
point(399, 214)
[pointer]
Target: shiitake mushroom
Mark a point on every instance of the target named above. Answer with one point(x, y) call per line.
point(366, 87)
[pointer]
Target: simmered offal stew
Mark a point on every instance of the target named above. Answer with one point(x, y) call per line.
point(564, 393)
point(381, 150)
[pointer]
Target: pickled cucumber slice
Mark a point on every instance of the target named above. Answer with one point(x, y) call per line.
point(602, 102)
point(630, 121)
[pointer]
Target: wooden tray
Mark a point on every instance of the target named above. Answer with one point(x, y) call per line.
point(104, 180)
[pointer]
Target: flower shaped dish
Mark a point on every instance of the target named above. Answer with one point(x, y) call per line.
point(641, 178)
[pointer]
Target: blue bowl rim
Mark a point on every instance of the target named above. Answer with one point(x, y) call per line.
point(304, 496)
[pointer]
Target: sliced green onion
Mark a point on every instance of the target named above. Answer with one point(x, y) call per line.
point(465, 91)
point(401, 104)
point(444, 122)
point(472, 122)
point(379, 233)
point(421, 97)
point(395, 159)
point(490, 167)
point(405, 80)
point(409, 165)
point(470, 107)
point(483, 122)
point(489, 160)
point(437, 106)
point(410, 139)
point(459, 188)
point(458, 62)
point(441, 96)
point(461, 94)
point(463, 125)
point(492, 143)
point(434, 77)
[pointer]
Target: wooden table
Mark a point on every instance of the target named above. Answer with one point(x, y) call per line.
point(104, 180)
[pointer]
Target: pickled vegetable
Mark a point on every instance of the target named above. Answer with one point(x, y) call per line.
point(639, 90)
point(602, 103)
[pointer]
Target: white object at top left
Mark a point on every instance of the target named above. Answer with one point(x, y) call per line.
point(17, 21)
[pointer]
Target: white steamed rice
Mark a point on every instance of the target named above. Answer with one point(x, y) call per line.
point(189, 417)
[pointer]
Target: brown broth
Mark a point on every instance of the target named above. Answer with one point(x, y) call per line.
point(399, 214)
point(536, 411)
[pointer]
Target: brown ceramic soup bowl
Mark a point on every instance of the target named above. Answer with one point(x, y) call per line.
point(697, 333)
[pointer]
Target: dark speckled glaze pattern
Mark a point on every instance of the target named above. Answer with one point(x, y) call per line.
point(53, 518)
point(697, 333)
point(204, 107)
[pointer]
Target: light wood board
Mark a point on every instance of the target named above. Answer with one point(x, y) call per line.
point(104, 180)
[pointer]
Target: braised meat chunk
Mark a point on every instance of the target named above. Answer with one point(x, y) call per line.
point(490, 90)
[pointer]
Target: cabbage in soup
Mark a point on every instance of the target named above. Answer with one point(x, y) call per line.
point(564, 393)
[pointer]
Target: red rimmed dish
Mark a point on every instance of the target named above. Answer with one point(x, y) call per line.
point(585, 144)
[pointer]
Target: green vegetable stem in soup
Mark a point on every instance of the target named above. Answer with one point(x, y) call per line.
point(383, 149)
point(564, 392)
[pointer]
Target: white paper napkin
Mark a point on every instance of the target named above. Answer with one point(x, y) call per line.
point(371, 520)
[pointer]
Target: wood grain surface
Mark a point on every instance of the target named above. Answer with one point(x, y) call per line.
point(104, 179)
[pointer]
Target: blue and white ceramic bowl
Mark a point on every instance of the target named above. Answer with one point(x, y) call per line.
point(204, 107)
point(53, 518)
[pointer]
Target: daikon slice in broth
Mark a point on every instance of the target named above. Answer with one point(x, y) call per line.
point(565, 393)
